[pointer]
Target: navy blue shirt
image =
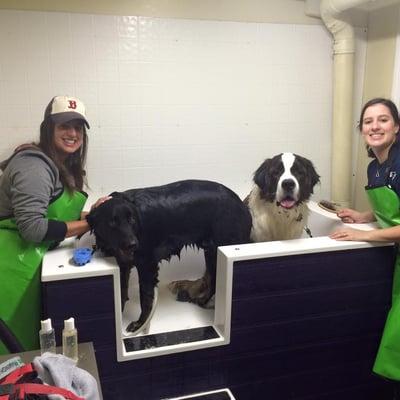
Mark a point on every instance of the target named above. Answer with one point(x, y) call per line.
point(387, 173)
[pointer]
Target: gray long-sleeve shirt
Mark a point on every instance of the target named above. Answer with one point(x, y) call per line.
point(28, 184)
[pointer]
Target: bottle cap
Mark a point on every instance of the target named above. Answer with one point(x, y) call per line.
point(69, 324)
point(46, 325)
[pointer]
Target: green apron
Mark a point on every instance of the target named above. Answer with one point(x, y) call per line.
point(20, 296)
point(386, 207)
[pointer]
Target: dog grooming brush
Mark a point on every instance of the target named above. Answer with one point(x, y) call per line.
point(329, 206)
point(82, 255)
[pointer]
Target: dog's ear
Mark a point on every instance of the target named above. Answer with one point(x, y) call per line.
point(260, 176)
point(312, 176)
point(312, 173)
point(91, 218)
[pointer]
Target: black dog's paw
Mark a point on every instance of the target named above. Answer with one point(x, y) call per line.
point(134, 326)
point(124, 300)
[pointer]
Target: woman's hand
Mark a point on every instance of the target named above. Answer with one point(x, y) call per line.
point(350, 234)
point(100, 201)
point(350, 216)
point(77, 228)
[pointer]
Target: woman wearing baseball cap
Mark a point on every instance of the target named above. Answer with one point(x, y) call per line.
point(41, 201)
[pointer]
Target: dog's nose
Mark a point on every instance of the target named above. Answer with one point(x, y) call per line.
point(132, 246)
point(288, 184)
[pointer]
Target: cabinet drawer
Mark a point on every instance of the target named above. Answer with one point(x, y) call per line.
point(84, 297)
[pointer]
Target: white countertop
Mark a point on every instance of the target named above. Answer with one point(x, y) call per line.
point(57, 264)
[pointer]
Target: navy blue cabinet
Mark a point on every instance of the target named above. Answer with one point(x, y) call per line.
point(304, 327)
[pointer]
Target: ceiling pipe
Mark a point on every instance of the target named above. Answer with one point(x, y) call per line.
point(343, 82)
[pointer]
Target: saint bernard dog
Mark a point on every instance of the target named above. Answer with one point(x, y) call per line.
point(278, 200)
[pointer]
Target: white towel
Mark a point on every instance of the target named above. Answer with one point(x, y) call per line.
point(61, 371)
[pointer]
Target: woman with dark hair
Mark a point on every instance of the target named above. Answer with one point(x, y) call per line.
point(379, 126)
point(41, 201)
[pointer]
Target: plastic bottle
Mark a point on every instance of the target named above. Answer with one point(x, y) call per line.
point(70, 339)
point(47, 337)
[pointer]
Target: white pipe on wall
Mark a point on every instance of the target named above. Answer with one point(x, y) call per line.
point(343, 82)
point(396, 78)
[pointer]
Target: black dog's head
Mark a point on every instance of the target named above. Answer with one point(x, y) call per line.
point(287, 179)
point(115, 226)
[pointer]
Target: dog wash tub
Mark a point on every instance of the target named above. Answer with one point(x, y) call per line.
point(174, 326)
point(290, 316)
point(91, 293)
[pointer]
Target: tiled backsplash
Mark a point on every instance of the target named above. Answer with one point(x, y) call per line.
point(171, 99)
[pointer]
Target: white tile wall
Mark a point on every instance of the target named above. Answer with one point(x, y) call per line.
point(171, 99)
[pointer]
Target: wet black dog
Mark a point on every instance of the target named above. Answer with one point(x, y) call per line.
point(141, 227)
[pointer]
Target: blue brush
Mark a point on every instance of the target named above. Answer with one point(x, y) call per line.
point(82, 255)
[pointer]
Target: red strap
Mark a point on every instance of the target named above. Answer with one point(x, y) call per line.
point(13, 376)
point(37, 388)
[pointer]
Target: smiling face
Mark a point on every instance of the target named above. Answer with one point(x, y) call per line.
point(68, 137)
point(379, 129)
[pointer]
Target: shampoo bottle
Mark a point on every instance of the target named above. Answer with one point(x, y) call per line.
point(47, 337)
point(70, 339)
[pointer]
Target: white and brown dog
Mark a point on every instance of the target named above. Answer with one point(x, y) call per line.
point(278, 201)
